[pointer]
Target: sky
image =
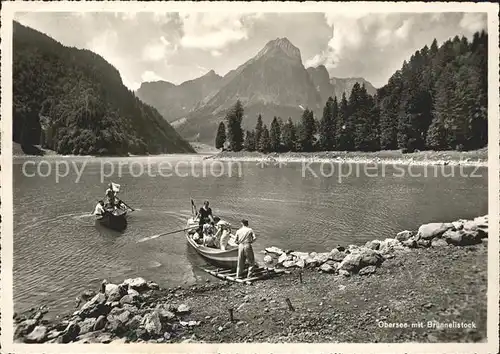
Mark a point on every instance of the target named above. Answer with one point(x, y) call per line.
point(176, 47)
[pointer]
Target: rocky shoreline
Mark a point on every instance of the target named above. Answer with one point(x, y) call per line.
point(424, 158)
point(346, 282)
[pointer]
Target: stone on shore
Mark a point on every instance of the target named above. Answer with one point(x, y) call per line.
point(404, 235)
point(374, 245)
point(136, 283)
point(24, 328)
point(95, 307)
point(274, 250)
point(336, 255)
point(70, 333)
point(410, 243)
point(152, 323)
point(368, 270)
point(87, 325)
point(438, 242)
point(130, 299)
point(100, 323)
point(462, 237)
point(183, 309)
point(432, 230)
point(327, 268)
point(37, 335)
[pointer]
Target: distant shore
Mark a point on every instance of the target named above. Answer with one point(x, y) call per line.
point(17, 151)
point(396, 157)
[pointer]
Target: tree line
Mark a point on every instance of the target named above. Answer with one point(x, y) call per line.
point(438, 100)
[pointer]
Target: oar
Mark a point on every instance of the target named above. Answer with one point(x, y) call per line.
point(166, 233)
point(126, 205)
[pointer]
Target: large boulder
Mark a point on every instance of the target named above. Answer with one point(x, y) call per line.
point(71, 332)
point(283, 258)
point(130, 299)
point(116, 322)
point(433, 229)
point(424, 243)
point(320, 258)
point(117, 292)
point(95, 307)
point(368, 270)
point(183, 308)
point(327, 268)
point(351, 263)
point(274, 250)
point(390, 245)
point(404, 235)
point(24, 328)
point(438, 242)
point(100, 323)
point(152, 324)
point(410, 243)
point(37, 335)
point(138, 284)
point(288, 264)
point(336, 255)
point(374, 245)
point(87, 325)
point(462, 237)
point(300, 255)
point(364, 257)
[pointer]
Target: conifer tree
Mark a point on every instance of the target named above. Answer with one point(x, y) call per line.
point(220, 139)
point(327, 126)
point(258, 129)
point(275, 136)
point(234, 131)
point(249, 144)
point(289, 136)
point(265, 141)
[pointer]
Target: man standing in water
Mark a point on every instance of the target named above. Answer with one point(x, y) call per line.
point(244, 239)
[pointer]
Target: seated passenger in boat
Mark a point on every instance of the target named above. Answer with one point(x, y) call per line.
point(208, 236)
point(111, 196)
point(99, 209)
point(223, 234)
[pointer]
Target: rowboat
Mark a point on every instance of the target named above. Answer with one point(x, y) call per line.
point(225, 259)
point(115, 219)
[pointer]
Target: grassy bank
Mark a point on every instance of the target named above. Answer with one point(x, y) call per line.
point(476, 157)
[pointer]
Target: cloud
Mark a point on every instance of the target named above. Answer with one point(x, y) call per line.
point(215, 53)
point(473, 22)
point(158, 50)
point(210, 31)
point(149, 76)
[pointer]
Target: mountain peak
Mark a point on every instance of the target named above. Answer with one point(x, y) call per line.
point(280, 45)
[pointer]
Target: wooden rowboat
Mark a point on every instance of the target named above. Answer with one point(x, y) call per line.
point(225, 259)
point(114, 219)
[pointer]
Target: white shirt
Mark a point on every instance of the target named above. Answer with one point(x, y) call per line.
point(245, 235)
point(99, 210)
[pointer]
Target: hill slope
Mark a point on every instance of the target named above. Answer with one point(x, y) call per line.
point(174, 101)
point(74, 102)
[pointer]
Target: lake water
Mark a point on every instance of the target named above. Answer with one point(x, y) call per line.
point(60, 252)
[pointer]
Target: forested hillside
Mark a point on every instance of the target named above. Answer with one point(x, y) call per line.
point(438, 100)
point(74, 102)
